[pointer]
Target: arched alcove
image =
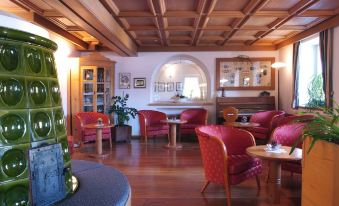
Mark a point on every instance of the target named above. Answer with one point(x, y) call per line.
point(182, 78)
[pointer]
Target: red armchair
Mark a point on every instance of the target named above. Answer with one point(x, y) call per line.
point(224, 156)
point(86, 135)
point(263, 132)
point(194, 118)
point(151, 125)
point(288, 119)
point(287, 135)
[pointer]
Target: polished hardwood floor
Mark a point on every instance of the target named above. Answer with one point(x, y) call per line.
point(163, 177)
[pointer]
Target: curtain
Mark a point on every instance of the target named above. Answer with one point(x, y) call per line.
point(295, 98)
point(326, 52)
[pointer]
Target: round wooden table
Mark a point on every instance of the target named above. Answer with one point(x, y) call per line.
point(242, 124)
point(275, 159)
point(98, 141)
point(173, 132)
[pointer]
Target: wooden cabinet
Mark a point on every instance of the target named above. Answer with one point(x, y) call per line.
point(91, 86)
point(246, 105)
point(96, 83)
point(95, 88)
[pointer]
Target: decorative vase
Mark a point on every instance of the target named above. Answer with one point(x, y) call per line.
point(320, 181)
point(31, 114)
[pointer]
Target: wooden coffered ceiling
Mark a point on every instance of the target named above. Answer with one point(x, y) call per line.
point(128, 26)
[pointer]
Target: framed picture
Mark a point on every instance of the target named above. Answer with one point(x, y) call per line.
point(139, 82)
point(155, 86)
point(124, 80)
point(178, 86)
point(245, 73)
point(170, 86)
point(161, 86)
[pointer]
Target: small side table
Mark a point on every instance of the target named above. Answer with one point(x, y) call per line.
point(275, 159)
point(98, 141)
point(173, 132)
point(242, 124)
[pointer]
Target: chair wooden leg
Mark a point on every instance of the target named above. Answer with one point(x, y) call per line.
point(145, 139)
point(205, 186)
point(228, 193)
point(258, 182)
point(110, 142)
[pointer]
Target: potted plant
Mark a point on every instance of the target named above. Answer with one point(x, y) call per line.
point(121, 113)
point(320, 162)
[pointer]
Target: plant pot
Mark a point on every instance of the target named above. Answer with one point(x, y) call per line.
point(121, 133)
point(320, 180)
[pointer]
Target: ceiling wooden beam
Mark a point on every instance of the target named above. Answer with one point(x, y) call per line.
point(206, 48)
point(329, 23)
point(135, 14)
point(114, 11)
point(196, 24)
point(54, 28)
point(208, 10)
point(250, 9)
point(231, 14)
point(98, 22)
point(156, 22)
point(300, 7)
point(27, 5)
point(160, 10)
point(182, 14)
point(52, 13)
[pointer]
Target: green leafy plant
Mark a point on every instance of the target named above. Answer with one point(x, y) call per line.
point(120, 109)
point(323, 126)
point(315, 92)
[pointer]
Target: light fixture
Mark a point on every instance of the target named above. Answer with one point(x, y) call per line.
point(278, 65)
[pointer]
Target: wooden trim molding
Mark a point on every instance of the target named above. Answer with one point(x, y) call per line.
point(206, 48)
point(329, 23)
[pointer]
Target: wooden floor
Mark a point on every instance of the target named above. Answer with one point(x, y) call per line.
point(162, 177)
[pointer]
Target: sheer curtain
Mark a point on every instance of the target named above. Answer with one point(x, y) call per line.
point(295, 99)
point(326, 54)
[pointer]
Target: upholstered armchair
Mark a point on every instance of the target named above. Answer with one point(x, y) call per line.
point(86, 135)
point(224, 156)
point(287, 135)
point(194, 117)
point(263, 132)
point(288, 119)
point(151, 125)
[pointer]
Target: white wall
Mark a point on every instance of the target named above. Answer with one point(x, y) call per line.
point(61, 55)
point(286, 76)
point(147, 62)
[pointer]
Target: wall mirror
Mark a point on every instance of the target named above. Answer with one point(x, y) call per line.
point(244, 73)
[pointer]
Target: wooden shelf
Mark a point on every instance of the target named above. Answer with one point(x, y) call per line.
point(175, 104)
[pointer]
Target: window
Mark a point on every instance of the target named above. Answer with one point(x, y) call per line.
point(179, 80)
point(191, 88)
point(309, 79)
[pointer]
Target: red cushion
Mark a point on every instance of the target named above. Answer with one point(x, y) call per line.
point(263, 130)
point(155, 127)
point(240, 163)
point(189, 126)
point(88, 132)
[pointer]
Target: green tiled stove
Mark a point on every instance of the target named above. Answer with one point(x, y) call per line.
point(31, 114)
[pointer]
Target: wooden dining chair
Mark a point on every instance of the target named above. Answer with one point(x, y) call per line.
point(230, 114)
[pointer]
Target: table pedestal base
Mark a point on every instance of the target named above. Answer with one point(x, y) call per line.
point(274, 181)
point(177, 146)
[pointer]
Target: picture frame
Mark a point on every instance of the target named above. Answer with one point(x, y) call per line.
point(170, 86)
point(161, 86)
point(245, 73)
point(124, 80)
point(178, 86)
point(139, 82)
